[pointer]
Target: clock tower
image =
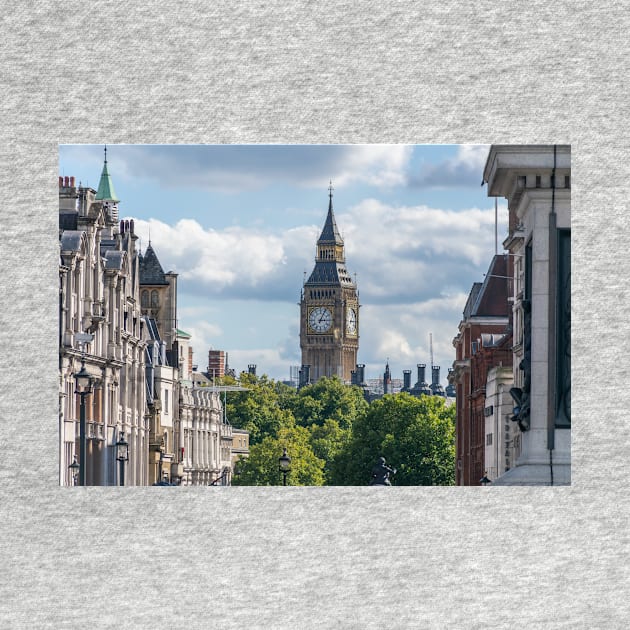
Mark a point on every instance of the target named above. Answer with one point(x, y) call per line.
point(329, 309)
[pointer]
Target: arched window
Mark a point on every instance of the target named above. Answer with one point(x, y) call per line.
point(144, 300)
point(155, 301)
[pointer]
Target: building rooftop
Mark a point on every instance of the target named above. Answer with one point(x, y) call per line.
point(151, 271)
point(106, 190)
point(330, 233)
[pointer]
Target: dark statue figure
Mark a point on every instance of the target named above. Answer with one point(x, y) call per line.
point(381, 473)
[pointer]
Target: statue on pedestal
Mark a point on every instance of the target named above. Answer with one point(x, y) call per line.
point(381, 473)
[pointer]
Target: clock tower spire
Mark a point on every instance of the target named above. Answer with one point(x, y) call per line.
point(329, 308)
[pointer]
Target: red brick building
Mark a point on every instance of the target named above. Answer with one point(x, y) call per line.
point(483, 342)
point(216, 363)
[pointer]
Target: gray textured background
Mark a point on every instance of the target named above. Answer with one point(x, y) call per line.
point(77, 72)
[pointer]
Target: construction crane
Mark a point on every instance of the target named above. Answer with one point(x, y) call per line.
point(431, 348)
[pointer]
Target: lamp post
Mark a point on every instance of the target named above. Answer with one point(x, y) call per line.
point(162, 449)
point(84, 382)
point(284, 466)
point(74, 470)
point(122, 455)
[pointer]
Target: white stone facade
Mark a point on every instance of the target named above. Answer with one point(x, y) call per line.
point(502, 437)
point(98, 294)
point(118, 318)
point(536, 181)
point(204, 433)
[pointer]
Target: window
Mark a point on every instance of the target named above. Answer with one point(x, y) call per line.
point(563, 331)
point(166, 401)
point(489, 439)
point(537, 181)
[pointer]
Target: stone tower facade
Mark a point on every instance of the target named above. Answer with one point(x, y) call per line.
point(329, 309)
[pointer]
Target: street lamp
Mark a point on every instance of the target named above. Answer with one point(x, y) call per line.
point(84, 383)
point(162, 451)
point(74, 470)
point(122, 455)
point(284, 466)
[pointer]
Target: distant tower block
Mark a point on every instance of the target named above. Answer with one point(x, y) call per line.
point(387, 379)
point(304, 376)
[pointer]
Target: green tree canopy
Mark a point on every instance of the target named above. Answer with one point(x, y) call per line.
point(415, 435)
point(329, 399)
point(261, 467)
point(263, 410)
point(327, 441)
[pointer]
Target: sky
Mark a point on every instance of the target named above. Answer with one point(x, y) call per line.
point(239, 224)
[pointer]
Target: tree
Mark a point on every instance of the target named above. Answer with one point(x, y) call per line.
point(263, 410)
point(415, 435)
point(327, 441)
point(261, 467)
point(329, 399)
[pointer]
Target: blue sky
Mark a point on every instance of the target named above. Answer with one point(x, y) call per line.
point(239, 223)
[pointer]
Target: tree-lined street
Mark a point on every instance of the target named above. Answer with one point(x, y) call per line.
point(334, 437)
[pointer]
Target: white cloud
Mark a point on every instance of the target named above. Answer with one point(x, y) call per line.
point(405, 253)
point(464, 169)
point(378, 165)
point(401, 254)
point(237, 168)
point(401, 332)
point(217, 259)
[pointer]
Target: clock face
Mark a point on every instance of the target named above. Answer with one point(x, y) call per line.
point(351, 321)
point(320, 319)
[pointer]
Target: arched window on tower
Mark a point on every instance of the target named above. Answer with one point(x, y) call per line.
point(155, 301)
point(144, 300)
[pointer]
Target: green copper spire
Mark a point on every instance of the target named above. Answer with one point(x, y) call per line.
point(106, 190)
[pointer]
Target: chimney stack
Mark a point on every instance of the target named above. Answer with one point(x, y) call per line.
point(421, 378)
point(435, 375)
point(406, 380)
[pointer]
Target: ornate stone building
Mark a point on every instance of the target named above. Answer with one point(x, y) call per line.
point(329, 310)
point(206, 435)
point(536, 181)
point(485, 320)
point(100, 327)
point(158, 301)
point(190, 444)
point(118, 320)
